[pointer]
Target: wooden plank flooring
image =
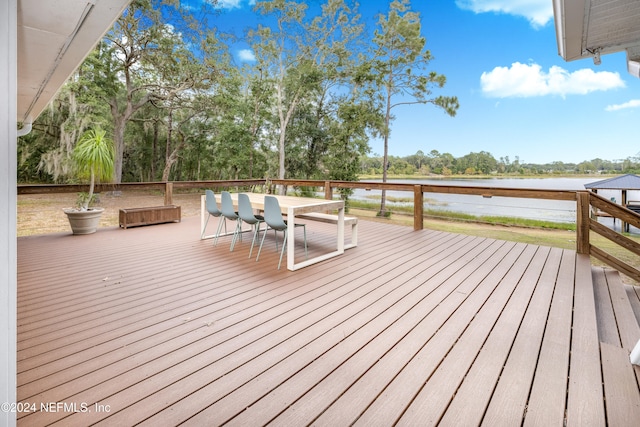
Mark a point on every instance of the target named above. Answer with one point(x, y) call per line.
point(153, 326)
point(620, 332)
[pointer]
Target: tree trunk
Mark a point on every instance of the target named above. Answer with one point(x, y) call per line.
point(385, 158)
point(92, 184)
point(169, 157)
point(118, 140)
point(154, 149)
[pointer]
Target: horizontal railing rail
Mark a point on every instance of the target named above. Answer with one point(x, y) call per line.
point(586, 204)
point(161, 186)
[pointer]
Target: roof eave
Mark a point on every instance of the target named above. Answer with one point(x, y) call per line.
point(569, 23)
point(37, 89)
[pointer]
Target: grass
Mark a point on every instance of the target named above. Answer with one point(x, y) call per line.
point(406, 208)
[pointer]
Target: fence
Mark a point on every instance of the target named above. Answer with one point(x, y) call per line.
point(587, 203)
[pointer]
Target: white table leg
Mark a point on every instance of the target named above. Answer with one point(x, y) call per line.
point(203, 212)
point(291, 236)
point(341, 230)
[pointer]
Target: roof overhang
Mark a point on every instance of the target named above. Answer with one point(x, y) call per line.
point(54, 37)
point(591, 28)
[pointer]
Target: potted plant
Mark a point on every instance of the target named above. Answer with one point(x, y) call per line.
point(93, 158)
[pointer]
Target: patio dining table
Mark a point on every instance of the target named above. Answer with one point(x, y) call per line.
point(292, 206)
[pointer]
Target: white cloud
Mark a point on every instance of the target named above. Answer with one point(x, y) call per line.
point(537, 12)
point(522, 81)
point(246, 55)
point(234, 4)
point(634, 103)
point(230, 4)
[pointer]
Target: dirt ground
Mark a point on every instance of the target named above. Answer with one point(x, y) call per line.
point(42, 213)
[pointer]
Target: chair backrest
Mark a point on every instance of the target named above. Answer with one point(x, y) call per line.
point(227, 206)
point(272, 213)
point(245, 210)
point(212, 205)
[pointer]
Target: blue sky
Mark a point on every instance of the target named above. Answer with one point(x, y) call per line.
point(518, 97)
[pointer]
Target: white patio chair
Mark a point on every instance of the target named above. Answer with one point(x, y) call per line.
point(228, 212)
point(245, 211)
point(273, 218)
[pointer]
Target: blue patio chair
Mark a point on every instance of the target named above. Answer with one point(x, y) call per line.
point(273, 218)
point(213, 211)
point(245, 211)
point(228, 212)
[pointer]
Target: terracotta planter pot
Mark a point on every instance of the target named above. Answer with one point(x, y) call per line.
point(84, 222)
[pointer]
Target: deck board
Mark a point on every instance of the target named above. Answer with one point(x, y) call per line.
point(474, 394)
point(363, 291)
point(626, 321)
point(410, 355)
point(415, 327)
point(633, 293)
point(408, 327)
point(585, 404)
point(509, 399)
point(340, 341)
point(621, 389)
point(607, 326)
point(547, 403)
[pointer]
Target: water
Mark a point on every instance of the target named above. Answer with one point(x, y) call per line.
point(535, 209)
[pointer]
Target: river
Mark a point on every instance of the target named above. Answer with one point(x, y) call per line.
point(537, 209)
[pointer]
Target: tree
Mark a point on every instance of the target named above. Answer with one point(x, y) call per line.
point(400, 63)
point(309, 63)
point(116, 64)
point(74, 110)
point(190, 79)
point(280, 56)
point(482, 162)
point(93, 159)
point(132, 65)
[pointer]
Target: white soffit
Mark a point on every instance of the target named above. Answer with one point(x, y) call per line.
point(54, 37)
point(589, 28)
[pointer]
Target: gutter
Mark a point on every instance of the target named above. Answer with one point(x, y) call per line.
point(26, 127)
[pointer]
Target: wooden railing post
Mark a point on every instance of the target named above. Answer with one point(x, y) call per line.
point(418, 208)
point(582, 222)
point(328, 191)
point(168, 193)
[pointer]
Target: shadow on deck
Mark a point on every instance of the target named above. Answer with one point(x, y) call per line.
point(151, 325)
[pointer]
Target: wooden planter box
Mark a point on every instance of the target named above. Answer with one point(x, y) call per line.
point(147, 216)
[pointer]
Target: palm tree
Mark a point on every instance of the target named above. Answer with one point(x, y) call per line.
point(93, 158)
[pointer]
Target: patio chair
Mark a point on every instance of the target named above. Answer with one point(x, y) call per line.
point(228, 212)
point(273, 218)
point(245, 211)
point(213, 211)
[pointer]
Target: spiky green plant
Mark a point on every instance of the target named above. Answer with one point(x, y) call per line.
point(93, 158)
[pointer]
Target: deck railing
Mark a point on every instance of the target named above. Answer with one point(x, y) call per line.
point(586, 204)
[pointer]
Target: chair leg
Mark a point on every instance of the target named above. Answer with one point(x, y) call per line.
point(256, 232)
point(237, 232)
point(275, 233)
point(220, 221)
point(261, 242)
point(284, 246)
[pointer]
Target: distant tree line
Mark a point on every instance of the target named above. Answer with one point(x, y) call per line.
point(483, 163)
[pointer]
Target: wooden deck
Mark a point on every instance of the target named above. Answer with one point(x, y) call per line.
point(153, 326)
